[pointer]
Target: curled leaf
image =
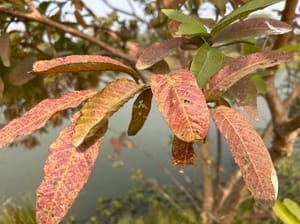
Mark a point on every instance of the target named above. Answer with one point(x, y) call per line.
point(66, 171)
point(37, 117)
point(182, 104)
point(100, 107)
point(249, 153)
point(182, 152)
point(81, 63)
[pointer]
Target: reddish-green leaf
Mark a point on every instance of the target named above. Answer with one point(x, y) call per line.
point(5, 49)
point(100, 108)
point(140, 111)
point(37, 117)
point(250, 28)
point(182, 152)
point(66, 171)
point(81, 63)
point(20, 75)
point(245, 94)
point(156, 52)
point(240, 67)
point(182, 104)
point(249, 152)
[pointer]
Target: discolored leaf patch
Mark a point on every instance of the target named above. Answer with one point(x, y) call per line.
point(66, 171)
point(157, 52)
point(240, 67)
point(250, 28)
point(37, 117)
point(140, 111)
point(100, 108)
point(81, 63)
point(182, 104)
point(249, 152)
point(182, 153)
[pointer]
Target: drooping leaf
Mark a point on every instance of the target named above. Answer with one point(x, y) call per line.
point(245, 94)
point(99, 108)
point(240, 67)
point(243, 11)
point(66, 171)
point(5, 49)
point(206, 62)
point(37, 117)
point(140, 111)
point(156, 52)
point(249, 152)
point(182, 153)
point(283, 213)
point(293, 207)
point(81, 63)
point(250, 28)
point(182, 104)
point(20, 74)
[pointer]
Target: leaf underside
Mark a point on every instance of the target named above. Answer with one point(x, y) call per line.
point(240, 67)
point(182, 153)
point(140, 110)
point(249, 152)
point(182, 104)
point(66, 171)
point(37, 117)
point(100, 107)
point(81, 63)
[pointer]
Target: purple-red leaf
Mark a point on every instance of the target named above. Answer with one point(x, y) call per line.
point(245, 94)
point(37, 117)
point(100, 108)
point(140, 111)
point(182, 104)
point(250, 28)
point(240, 67)
point(249, 152)
point(182, 152)
point(66, 171)
point(81, 63)
point(157, 52)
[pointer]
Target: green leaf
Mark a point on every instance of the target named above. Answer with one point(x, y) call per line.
point(293, 207)
point(185, 19)
point(5, 49)
point(259, 83)
point(140, 111)
point(99, 108)
point(283, 213)
point(243, 11)
point(249, 153)
point(81, 63)
point(240, 67)
point(290, 48)
point(182, 104)
point(66, 171)
point(250, 28)
point(206, 62)
point(189, 29)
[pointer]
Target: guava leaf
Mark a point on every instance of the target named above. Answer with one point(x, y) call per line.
point(245, 95)
point(37, 117)
point(156, 52)
point(66, 171)
point(243, 11)
point(99, 108)
point(20, 74)
point(182, 104)
point(240, 67)
point(284, 214)
point(293, 207)
point(182, 153)
point(206, 62)
point(5, 49)
point(290, 48)
point(2, 86)
point(140, 111)
point(249, 152)
point(81, 63)
point(250, 28)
